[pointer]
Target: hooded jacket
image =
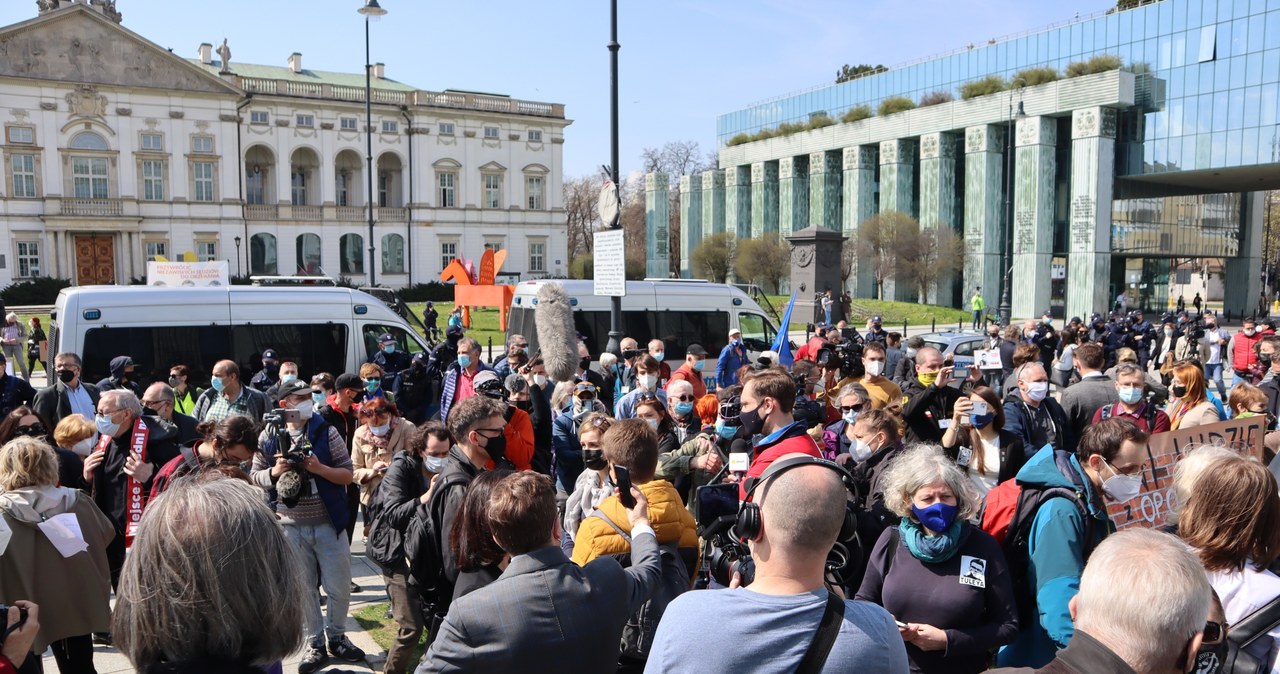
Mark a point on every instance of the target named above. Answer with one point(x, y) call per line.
point(671, 522)
point(1019, 420)
point(72, 592)
point(116, 381)
point(1056, 552)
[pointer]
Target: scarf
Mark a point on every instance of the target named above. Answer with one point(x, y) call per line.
point(135, 491)
point(933, 549)
point(380, 442)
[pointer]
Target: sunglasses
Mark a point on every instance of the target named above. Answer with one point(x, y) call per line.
point(851, 408)
point(685, 399)
point(1214, 632)
point(33, 430)
point(600, 421)
point(646, 397)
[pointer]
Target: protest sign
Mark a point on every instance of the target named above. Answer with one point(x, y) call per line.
point(188, 274)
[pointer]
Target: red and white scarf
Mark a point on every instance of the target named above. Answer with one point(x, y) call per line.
point(136, 491)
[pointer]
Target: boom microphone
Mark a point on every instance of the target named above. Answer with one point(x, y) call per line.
point(556, 336)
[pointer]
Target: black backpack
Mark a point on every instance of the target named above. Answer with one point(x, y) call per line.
point(637, 635)
point(425, 543)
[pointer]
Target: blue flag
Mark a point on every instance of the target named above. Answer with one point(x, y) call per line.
point(782, 343)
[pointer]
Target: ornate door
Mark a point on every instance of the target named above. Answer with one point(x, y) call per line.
point(95, 260)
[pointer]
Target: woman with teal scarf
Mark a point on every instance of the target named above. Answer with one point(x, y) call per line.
point(944, 579)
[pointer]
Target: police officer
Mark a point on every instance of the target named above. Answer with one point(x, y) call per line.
point(875, 333)
point(410, 389)
point(268, 376)
point(389, 357)
point(1143, 334)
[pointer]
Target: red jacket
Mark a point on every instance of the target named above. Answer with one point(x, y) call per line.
point(794, 440)
point(1243, 355)
point(686, 373)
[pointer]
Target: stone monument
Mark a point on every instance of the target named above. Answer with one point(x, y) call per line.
point(815, 266)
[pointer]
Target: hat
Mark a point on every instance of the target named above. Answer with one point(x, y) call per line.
point(120, 363)
point(386, 337)
point(1075, 319)
point(697, 350)
point(420, 357)
point(1047, 313)
point(735, 331)
point(876, 320)
point(515, 383)
point(347, 380)
point(294, 387)
point(584, 387)
point(270, 354)
point(483, 376)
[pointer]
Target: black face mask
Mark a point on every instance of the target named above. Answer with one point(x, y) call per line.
point(594, 459)
point(584, 364)
point(1210, 658)
point(509, 412)
point(1177, 391)
point(1264, 358)
point(525, 405)
point(752, 423)
point(496, 447)
point(174, 381)
point(66, 376)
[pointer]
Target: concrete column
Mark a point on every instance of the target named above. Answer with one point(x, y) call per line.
point(657, 221)
point(983, 209)
point(1093, 153)
point(1243, 282)
point(897, 172)
point(824, 190)
point(737, 200)
point(712, 202)
point(690, 220)
point(764, 198)
point(938, 200)
point(1033, 201)
point(793, 194)
point(859, 204)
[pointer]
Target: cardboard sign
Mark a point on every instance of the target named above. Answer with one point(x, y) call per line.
point(1153, 505)
point(988, 359)
point(188, 274)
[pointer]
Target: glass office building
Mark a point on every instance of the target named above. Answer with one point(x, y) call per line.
point(1106, 178)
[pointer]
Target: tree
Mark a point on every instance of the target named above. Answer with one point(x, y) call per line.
point(764, 261)
point(580, 198)
point(928, 254)
point(846, 73)
point(878, 240)
point(714, 257)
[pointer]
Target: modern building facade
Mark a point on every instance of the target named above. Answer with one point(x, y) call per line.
point(1104, 180)
point(117, 151)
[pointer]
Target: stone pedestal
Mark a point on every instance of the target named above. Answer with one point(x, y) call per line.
point(815, 266)
point(1093, 152)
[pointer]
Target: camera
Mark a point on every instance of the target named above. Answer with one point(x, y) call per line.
point(1194, 329)
point(294, 484)
point(716, 513)
point(847, 356)
point(22, 620)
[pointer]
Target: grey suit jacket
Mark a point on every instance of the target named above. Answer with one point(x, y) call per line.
point(546, 614)
point(1081, 399)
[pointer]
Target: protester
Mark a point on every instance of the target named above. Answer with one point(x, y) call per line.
point(37, 346)
point(381, 434)
point(877, 443)
point(226, 396)
point(1022, 354)
point(188, 574)
point(906, 369)
point(567, 451)
point(1244, 352)
point(515, 344)
point(1107, 467)
point(767, 402)
point(682, 410)
point(480, 560)
point(22, 422)
point(13, 337)
point(524, 398)
point(585, 373)
point(732, 357)
point(226, 445)
point(929, 399)
point(185, 395)
point(1033, 416)
point(1129, 385)
point(70, 579)
point(837, 438)
point(654, 412)
point(1082, 400)
point(1232, 520)
point(647, 383)
point(372, 374)
point(517, 452)
point(1189, 407)
point(695, 362)
point(608, 372)
point(159, 400)
point(542, 601)
point(938, 573)
point(979, 444)
point(74, 438)
point(68, 395)
point(593, 484)
point(458, 379)
point(1215, 342)
point(775, 618)
point(881, 391)
point(14, 391)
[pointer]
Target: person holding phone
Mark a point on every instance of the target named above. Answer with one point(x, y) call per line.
point(382, 433)
point(978, 443)
point(929, 399)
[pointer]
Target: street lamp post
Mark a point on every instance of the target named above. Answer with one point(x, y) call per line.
point(1006, 292)
point(237, 256)
point(371, 10)
point(615, 306)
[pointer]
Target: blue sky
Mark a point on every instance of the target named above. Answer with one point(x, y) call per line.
point(681, 63)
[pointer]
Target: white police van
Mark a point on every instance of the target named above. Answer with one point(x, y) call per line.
point(680, 312)
point(323, 329)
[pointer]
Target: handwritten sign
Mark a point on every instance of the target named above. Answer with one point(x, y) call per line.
point(1153, 505)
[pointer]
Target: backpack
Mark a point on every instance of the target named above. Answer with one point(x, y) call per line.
point(425, 542)
point(1008, 514)
point(637, 635)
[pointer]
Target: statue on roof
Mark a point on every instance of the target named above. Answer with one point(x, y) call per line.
point(47, 5)
point(224, 53)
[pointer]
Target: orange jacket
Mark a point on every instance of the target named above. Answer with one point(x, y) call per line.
point(519, 432)
point(686, 373)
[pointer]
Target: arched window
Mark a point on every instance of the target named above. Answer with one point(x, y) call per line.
point(392, 254)
point(88, 140)
point(308, 252)
point(262, 255)
point(352, 247)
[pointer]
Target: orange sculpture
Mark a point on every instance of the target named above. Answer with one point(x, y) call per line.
point(483, 292)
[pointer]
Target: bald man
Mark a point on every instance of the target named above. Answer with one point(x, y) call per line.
point(802, 508)
point(928, 400)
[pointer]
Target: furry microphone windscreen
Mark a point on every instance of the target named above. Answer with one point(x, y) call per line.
point(556, 336)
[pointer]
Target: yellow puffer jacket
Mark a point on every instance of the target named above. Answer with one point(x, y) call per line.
point(671, 522)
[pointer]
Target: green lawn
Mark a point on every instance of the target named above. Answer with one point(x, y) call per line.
point(893, 313)
point(383, 629)
point(484, 324)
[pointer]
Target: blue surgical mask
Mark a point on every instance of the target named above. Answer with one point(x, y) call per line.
point(726, 432)
point(217, 384)
point(372, 385)
point(982, 420)
point(464, 360)
point(285, 379)
point(435, 464)
point(699, 365)
point(317, 398)
point(653, 423)
point(1130, 394)
point(937, 517)
point(105, 425)
point(390, 348)
point(683, 407)
point(659, 356)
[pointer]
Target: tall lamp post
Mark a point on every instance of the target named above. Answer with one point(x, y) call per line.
point(237, 256)
point(1006, 292)
point(615, 307)
point(371, 11)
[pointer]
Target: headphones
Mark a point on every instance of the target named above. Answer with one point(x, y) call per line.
point(750, 524)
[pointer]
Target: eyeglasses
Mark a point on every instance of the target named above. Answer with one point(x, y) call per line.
point(523, 346)
point(485, 432)
point(1214, 632)
point(155, 402)
point(600, 421)
point(106, 413)
point(646, 397)
point(851, 408)
point(685, 398)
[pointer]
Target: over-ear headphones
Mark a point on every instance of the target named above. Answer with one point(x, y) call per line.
point(750, 524)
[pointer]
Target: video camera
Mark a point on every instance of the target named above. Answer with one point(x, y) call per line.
point(717, 512)
point(847, 356)
point(295, 483)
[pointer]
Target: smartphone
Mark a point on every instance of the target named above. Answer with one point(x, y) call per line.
point(899, 623)
point(622, 477)
point(979, 408)
point(960, 372)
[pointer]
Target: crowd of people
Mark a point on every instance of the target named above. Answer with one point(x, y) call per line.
point(918, 518)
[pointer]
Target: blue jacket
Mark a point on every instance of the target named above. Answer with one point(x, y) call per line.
point(1055, 560)
point(333, 496)
point(450, 387)
point(731, 358)
point(626, 406)
point(1018, 422)
point(566, 451)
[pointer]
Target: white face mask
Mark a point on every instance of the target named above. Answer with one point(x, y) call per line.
point(911, 353)
point(305, 409)
point(381, 430)
point(860, 451)
point(850, 417)
point(85, 447)
point(1037, 391)
point(875, 368)
point(435, 464)
point(1122, 488)
point(648, 382)
point(539, 380)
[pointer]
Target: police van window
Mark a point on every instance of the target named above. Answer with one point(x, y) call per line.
point(155, 350)
point(966, 348)
point(679, 329)
point(316, 347)
point(372, 331)
point(757, 334)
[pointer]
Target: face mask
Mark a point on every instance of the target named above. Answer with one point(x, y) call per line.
point(390, 348)
point(1248, 333)
point(305, 409)
point(372, 385)
point(875, 368)
point(105, 425)
point(594, 459)
point(911, 353)
point(65, 376)
point(1130, 394)
point(659, 356)
point(382, 430)
point(317, 398)
point(1178, 390)
point(285, 379)
point(699, 365)
point(752, 422)
point(937, 517)
point(496, 447)
point(1210, 658)
point(435, 464)
point(84, 447)
point(525, 405)
point(1122, 488)
point(860, 451)
point(464, 360)
point(1168, 333)
point(1046, 320)
point(648, 382)
point(981, 421)
point(270, 365)
point(683, 408)
point(850, 417)
point(539, 380)
point(173, 382)
point(1264, 358)
point(726, 432)
point(1037, 391)
point(653, 423)
point(217, 384)
point(584, 363)
point(927, 378)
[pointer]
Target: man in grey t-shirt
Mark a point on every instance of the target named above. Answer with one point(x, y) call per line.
point(773, 621)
